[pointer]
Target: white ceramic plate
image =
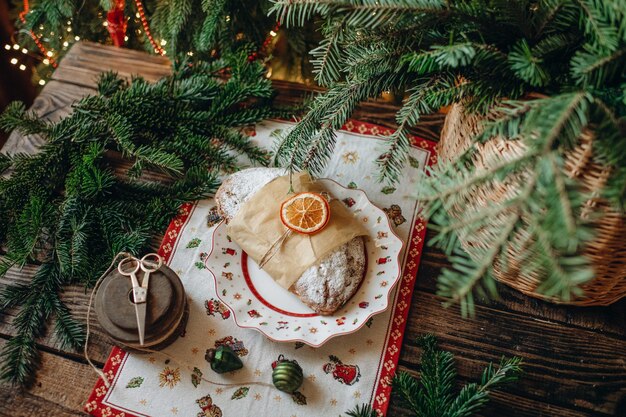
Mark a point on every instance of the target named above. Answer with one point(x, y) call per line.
point(257, 302)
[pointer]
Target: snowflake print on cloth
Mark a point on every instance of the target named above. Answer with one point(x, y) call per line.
point(345, 374)
point(208, 408)
point(350, 157)
point(169, 377)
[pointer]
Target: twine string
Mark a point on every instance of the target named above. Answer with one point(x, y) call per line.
point(93, 292)
point(274, 248)
point(279, 242)
point(180, 362)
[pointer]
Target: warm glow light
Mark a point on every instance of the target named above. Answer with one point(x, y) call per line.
point(24, 50)
point(46, 61)
point(16, 46)
point(77, 38)
point(69, 29)
point(66, 43)
point(7, 47)
point(125, 38)
point(49, 53)
point(22, 67)
point(42, 82)
point(273, 33)
point(105, 23)
point(163, 42)
point(190, 53)
point(137, 15)
point(13, 61)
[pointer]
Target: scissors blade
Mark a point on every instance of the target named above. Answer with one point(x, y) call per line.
point(140, 312)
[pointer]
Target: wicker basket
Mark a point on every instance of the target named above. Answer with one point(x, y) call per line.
point(607, 251)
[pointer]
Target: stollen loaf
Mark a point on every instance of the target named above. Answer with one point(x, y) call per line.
point(324, 286)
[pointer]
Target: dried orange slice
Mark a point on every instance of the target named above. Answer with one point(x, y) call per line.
point(305, 213)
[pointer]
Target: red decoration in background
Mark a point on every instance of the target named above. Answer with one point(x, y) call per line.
point(117, 23)
point(265, 46)
point(42, 48)
point(146, 28)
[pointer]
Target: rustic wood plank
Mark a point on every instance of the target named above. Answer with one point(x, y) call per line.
point(503, 403)
point(62, 388)
point(86, 60)
point(52, 104)
point(77, 299)
point(610, 320)
point(569, 367)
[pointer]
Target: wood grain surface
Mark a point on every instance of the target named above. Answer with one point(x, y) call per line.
point(574, 357)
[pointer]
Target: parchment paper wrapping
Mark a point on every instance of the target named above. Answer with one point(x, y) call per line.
point(257, 226)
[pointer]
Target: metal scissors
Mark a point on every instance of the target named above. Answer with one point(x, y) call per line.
point(129, 267)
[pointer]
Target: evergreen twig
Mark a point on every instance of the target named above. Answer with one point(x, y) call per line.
point(432, 395)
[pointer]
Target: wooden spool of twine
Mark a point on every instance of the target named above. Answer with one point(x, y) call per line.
point(166, 313)
point(606, 252)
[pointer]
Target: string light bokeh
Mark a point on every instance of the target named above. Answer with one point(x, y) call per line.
point(44, 59)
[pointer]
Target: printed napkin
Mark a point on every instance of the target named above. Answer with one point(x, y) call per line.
point(346, 371)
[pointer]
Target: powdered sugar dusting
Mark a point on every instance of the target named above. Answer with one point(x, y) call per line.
point(331, 282)
point(241, 186)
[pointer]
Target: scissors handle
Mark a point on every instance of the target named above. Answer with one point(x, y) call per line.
point(148, 264)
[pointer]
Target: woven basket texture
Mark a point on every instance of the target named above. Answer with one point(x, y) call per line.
point(607, 250)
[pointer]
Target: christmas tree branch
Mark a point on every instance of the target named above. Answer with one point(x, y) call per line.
point(432, 395)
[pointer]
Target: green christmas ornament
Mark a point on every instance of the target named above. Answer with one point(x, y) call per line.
point(223, 359)
point(286, 375)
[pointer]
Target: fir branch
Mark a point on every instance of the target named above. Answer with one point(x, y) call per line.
point(474, 396)
point(15, 117)
point(432, 395)
point(597, 26)
point(326, 57)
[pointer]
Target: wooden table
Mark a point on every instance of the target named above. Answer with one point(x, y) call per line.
point(575, 358)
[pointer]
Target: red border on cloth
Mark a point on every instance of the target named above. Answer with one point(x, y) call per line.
point(382, 391)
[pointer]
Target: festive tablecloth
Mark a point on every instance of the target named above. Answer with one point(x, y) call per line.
point(346, 371)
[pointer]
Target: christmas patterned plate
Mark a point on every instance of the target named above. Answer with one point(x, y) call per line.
point(257, 302)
